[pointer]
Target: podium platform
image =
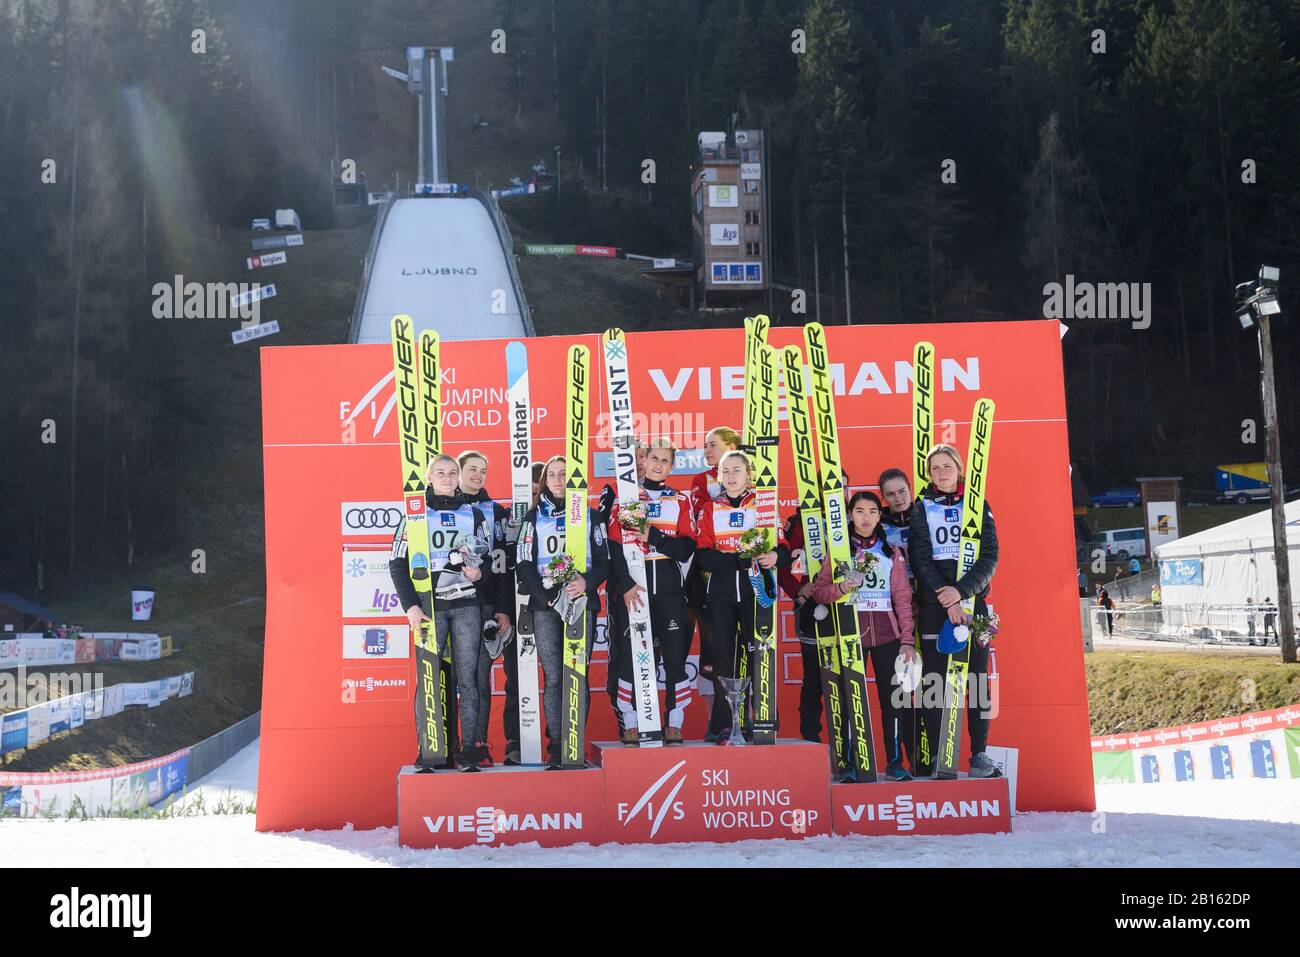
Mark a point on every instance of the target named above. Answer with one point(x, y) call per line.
point(707, 792)
point(695, 792)
point(963, 805)
point(503, 805)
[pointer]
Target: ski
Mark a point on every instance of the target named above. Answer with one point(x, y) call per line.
point(922, 442)
point(431, 433)
point(521, 498)
point(862, 763)
point(755, 337)
point(763, 394)
point(813, 520)
point(645, 677)
point(573, 752)
point(432, 743)
point(972, 527)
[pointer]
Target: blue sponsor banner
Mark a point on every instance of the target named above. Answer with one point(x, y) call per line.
point(172, 777)
point(11, 801)
point(13, 732)
point(1221, 762)
point(686, 462)
point(1182, 571)
point(1150, 769)
point(1262, 759)
point(1184, 766)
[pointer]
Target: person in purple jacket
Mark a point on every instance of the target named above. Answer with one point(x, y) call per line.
point(882, 596)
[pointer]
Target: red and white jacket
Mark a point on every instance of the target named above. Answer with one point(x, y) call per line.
point(672, 533)
point(721, 523)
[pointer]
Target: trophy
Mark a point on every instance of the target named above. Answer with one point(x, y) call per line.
point(735, 688)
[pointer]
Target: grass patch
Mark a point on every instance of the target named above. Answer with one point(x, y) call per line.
point(1133, 691)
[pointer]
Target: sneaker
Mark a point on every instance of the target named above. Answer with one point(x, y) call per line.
point(631, 737)
point(553, 759)
point(714, 736)
point(469, 758)
point(485, 755)
point(982, 766)
point(896, 772)
point(513, 755)
point(673, 735)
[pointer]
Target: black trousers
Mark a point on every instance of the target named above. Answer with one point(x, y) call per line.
point(935, 665)
point(896, 722)
point(672, 639)
point(731, 627)
point(616, 638)
point(810, 694)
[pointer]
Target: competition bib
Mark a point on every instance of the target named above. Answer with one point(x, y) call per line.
point(874, 593)
point(729, 523)
point(945, 529)
point(663, 513)
point(448, 530)
point(550, 538)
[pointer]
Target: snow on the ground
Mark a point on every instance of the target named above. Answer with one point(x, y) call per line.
point(234, 781)
point(1208, 824)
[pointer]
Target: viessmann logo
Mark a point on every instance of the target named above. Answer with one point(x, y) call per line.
point(905, 811)
point(488, 823)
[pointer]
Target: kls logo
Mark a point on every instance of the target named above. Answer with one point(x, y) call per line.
point(669, 803)
point(75, 910)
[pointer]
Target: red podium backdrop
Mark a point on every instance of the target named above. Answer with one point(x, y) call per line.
point(339, 676)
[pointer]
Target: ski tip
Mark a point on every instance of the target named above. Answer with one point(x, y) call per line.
point(612, 333)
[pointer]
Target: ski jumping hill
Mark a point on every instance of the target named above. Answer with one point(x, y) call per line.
point(448, 263)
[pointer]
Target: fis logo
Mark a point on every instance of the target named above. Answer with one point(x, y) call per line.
point(736, 520)
point(669, 805)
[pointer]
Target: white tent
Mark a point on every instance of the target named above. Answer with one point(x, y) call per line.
point(1227, 564)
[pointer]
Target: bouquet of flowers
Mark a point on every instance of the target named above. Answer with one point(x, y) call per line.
point(857, 570)
point(560, 570)
point(633, 516)
point(753, 542)
point(984, 628)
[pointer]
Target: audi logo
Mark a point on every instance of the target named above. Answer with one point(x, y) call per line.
point(372, 517)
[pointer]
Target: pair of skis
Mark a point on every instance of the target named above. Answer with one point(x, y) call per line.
point(419, 417)
point(577, 432)
point(762, 367)
point(977, 456)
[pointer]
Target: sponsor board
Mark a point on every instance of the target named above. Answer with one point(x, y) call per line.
point(367, 588)
point(267, 259)
point(1255, 721)
point(366, 685)
point(499, 807)
point(963, 806)
point(724, 234)
point(724, 196)
point(258, 331)
point(702, 792)
point(376, 520)
point(376, 641)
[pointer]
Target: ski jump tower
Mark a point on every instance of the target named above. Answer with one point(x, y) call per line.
point(442, 254)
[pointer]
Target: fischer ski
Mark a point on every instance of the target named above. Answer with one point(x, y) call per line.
point(922, 442)
point(573, 750)
point(432, 742)
point(521, 497)
point(764, 438)
point(972, 529)
point(862, 764)
point(645, 676)
point(431, 430)
point(813, 520)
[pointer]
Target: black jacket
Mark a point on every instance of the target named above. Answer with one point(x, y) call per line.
point(487, 590)
point(530, 578)
point(932, 575)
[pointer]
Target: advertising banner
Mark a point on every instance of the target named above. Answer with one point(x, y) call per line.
point(85, 654)
point(343, 433)
point(723, 196)
point(517, 806)
point(700, 792)
point(13, 731)
point(962, 806)
point(38, 723)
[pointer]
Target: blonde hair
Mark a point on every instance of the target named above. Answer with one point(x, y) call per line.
point(662, 442)
point(736, 454)
point(949, 451)
point(729, 436)
point(428, 469)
